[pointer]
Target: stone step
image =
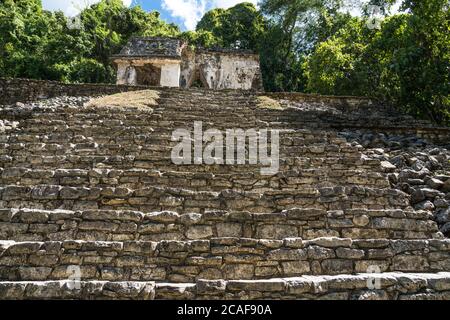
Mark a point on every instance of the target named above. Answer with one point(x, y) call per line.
point(140, 178)
point(109, 114)
point(143, 139)
point(395, 126)
point(79, 290)
point(163, 148)
point(120, 225)
point(164, 163)
point(153, 198)
point(221, 123)
point(218, 258)
point(295, 138)
point(241, 114)
point(364, 286)
point(218, 123)
point(153, 149)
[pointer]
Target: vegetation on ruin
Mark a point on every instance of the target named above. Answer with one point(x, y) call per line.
point(142, 99)
point(311, 46)
point(265, 102)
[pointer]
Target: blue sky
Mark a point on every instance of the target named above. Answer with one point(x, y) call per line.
point(185, 13)
point(150, 5)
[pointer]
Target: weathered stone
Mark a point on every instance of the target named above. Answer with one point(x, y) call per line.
point(34, 273)
point(238, 271)
point(332, 242)
point(273, 285)
point(229, 229)
point(346, 253)
point(371, 266)
point(190, 218)
point(386, 166)
point(98, 225)
point(24, 247)
point(409, 263)
point(304, 214)
point(295, 268)
point(45, 192)
point(210, 286)
point(435, 183)
point(424, 205)
point(294, 243)
point(320, 253)
point(337, 266)
point(199, 232)
point(287, 254)
point(274, 231)
point(361, 221)
point(162, 217)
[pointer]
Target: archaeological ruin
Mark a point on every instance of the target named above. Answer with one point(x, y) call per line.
point(169, 62)
point(93, 207)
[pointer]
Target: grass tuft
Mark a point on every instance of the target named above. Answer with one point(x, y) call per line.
point(265, 102)
point(142, 100)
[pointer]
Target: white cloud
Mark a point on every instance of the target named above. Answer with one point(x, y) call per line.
point(191, 11)
point(188, 11)
point(72, 7)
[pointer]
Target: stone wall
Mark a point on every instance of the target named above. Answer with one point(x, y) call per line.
point(352, 113)
point(343, 101)
point(119, 225)
point(394, 286)
point(220, 70)
point(95, 187)
point(24, 90)
point(218, 258)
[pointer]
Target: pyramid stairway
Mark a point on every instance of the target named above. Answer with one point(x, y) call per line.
point(94, 190)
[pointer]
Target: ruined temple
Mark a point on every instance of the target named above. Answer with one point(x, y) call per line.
point(170, 62)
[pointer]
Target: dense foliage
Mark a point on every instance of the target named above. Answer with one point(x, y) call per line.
point(35, 43)
point(312, 46)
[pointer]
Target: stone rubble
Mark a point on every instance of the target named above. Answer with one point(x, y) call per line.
point(416, 166)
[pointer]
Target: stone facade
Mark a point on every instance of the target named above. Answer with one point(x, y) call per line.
point(360, 189)
point(170, 62)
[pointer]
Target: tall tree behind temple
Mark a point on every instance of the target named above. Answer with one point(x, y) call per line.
point(296, 27)
point(241, 25)
point(423, 64)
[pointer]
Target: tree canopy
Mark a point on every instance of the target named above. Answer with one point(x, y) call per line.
point(39, 44)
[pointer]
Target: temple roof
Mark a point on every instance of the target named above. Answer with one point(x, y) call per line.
point(143, 47)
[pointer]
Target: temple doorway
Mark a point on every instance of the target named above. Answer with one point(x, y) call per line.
point(148, 75)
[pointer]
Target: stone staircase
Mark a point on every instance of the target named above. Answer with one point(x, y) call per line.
point(92, 192)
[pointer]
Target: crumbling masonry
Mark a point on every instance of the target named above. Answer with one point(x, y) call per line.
point(169, 62)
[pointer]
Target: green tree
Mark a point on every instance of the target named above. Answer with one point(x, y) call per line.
point(201, 38)
point(423, 62)
point(35, 43)
point(407, 62)
point(240, 26)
